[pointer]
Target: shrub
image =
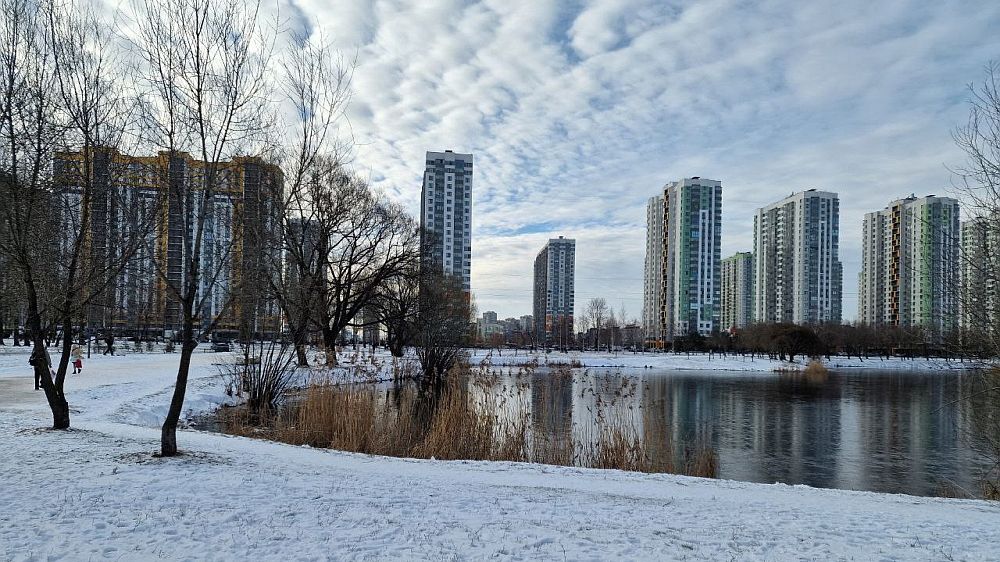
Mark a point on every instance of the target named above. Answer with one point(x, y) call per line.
point(262, 374)
point(816, 372)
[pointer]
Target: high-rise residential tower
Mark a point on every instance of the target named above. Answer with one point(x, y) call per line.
point(692, 250)
point(553, 295)
point(737, 290)
point(980, 300)
point(652, 273)
point(797, 271)
point(240, 224)
point(446, 214)
point(910, 265)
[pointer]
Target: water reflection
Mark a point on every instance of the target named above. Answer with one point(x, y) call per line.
point(878, 431)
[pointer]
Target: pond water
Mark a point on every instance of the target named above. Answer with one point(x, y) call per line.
point(880, 431)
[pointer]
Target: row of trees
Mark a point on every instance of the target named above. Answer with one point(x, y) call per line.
point(786, 341)
point(204, 79)
point(606, 325)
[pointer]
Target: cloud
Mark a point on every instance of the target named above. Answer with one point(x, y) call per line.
point(578, 112)
point(296, 21)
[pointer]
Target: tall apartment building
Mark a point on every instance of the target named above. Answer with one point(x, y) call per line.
point(737, 290)
point(910, 265)
point(238, 240)
point(553, 293)
point(652, 287)
point(692, 247)
point(797, 271)
point(446, 214)
point(980, 257)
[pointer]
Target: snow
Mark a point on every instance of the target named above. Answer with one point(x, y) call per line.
point(701, 361)
point(96, 492)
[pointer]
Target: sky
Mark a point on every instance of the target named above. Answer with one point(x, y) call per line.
point(578, 112)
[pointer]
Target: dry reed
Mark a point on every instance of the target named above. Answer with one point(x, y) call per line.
point(463, 422)
point(816, 372)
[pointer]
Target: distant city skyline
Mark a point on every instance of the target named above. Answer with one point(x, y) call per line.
point(577, 113)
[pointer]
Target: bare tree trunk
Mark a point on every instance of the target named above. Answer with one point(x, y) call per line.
point(168, 433)
point(53, 393)
point(299, 340)
point(330, 343)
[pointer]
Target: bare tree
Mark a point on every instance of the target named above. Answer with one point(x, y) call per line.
point(398, 305)
point(583, 326)
point(103, 221)
point(444, 322)
point(613, 327)
point(369, 241)
point(979, 183)
point(29, 133)
point(597, 312)
point(316, 83)
point(205, 65)
point(622, 323)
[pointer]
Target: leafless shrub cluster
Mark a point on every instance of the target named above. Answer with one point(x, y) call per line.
point(262, 374)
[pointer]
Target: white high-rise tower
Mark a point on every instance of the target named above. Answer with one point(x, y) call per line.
point(798, 276)
point(446, 214)
point(653, 273)
point(689, 278)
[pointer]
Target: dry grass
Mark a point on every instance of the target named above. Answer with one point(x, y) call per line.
point(991, 490)
point(477, 417)
point(702, 462)
point(983, 396)
point(816, 372)
point(571, 364)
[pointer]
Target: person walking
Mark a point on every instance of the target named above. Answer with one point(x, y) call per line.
point(77, 355)
point(40, 359)
point(109, 340)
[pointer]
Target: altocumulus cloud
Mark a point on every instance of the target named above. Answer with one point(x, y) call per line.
point(577, 112)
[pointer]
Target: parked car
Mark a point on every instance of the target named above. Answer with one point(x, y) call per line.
point(221, 346)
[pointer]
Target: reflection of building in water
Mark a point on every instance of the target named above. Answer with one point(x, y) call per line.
point(678, 418)
point(552, 407)
point(506, 397)
point(742, 431)
point(771, 429)
point(886, 432)
point(605, 402)
point(912, 435)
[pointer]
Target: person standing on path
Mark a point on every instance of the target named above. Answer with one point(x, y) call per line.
point(77, 355)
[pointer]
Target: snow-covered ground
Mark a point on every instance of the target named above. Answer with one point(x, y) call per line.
point(96, 492)
point(701, 361)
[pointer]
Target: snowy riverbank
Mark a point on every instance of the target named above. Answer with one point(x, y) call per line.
point(702, 361)
point(97, 492)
